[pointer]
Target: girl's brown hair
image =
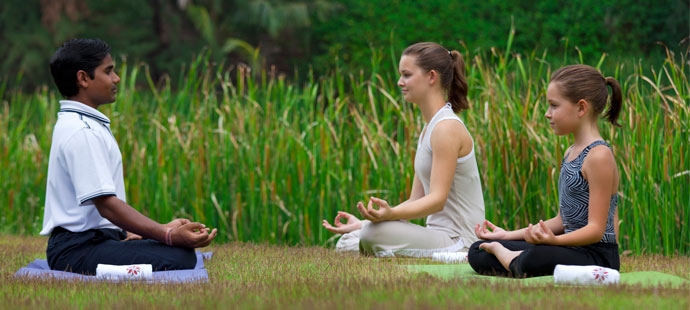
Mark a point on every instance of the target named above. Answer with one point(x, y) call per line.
point(584, 82)
point(449, 66)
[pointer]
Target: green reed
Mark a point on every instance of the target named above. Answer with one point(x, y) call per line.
point(264, 159)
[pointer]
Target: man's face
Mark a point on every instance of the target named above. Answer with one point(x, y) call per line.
point(102, 88)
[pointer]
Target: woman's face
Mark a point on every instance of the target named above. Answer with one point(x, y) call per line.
point(414, 81)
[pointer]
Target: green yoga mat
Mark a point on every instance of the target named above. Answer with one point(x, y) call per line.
point(642, 278)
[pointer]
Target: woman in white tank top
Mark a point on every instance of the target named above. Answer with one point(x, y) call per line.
point(446, 189)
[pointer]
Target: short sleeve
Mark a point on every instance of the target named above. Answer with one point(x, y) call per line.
point(87, 161)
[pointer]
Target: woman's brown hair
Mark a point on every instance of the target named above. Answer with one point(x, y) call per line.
point(450, 67)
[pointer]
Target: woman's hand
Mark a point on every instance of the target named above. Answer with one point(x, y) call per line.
point(382, 211)
point(539, 234)
point(488, 231)
point(351, 224)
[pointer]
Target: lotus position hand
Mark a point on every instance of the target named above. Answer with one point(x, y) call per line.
point(192, 235)
point(177, 223)
point(539, 234)
point(351, 224)
point(376, 211)
point(488, 231)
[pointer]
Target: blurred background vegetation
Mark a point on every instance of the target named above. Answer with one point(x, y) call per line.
point(263, 117)
point(297, 37)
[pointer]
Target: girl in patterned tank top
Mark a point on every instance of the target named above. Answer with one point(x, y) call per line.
point(585, 230)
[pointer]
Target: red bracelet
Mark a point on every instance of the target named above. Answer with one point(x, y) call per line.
point(168, 237)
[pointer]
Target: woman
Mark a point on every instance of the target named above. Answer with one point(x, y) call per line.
point(446, 188)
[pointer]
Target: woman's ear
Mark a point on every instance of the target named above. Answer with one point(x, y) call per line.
point(433, 77)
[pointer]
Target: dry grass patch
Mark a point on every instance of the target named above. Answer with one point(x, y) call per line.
point(244, 275)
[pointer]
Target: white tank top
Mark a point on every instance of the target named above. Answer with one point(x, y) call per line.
point(465, 205)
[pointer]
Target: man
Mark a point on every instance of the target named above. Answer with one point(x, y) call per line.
point(86, 214)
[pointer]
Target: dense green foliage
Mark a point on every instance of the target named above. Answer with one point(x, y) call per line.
point(355, 34)
point(266, 159)
point(626, 28)
point(163, 33)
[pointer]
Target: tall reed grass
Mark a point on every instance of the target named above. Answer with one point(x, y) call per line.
point(265, 159)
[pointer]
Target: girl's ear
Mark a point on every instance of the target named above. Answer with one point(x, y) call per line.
point(582, 107)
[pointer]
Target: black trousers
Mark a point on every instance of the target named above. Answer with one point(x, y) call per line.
point(540, 260)
point(81, 252)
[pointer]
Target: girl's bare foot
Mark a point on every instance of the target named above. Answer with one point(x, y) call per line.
point(503, 255)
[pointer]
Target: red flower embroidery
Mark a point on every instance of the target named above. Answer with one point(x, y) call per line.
point(600, 274)
point(133, 271)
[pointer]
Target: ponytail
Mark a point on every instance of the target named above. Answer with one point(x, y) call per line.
point(614, 109)
point(457, 92)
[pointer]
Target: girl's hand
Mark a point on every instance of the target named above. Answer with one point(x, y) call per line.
point(539, 234)
point(488, 231)
point(376, 211)
point(351, 224)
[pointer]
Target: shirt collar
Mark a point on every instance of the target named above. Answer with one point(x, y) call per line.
point(80, 108)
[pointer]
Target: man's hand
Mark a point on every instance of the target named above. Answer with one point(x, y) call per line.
point(132, 236)
point(192, 235)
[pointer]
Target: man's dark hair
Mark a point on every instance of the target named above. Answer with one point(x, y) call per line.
point(72, 56)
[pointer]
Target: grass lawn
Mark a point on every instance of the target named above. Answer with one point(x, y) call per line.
point(244, 275)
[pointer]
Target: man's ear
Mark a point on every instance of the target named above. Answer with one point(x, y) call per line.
point(582, 107)
point(82, 79)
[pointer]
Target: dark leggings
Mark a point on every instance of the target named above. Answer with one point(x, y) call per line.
point(81, 252)
point(540, 260)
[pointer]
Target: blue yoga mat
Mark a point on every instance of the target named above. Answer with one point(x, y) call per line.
point(39, 269)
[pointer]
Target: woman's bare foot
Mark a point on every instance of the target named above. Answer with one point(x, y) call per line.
point(503, 255)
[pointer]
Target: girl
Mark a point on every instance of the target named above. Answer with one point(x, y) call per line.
point(446, 187)
point(585, 230)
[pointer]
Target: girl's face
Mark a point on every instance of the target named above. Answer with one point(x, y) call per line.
point(414, 81)
point(563, 114)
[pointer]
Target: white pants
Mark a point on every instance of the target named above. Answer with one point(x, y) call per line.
point(398, 238)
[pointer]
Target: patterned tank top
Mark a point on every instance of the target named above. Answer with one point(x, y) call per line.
point(573, 192)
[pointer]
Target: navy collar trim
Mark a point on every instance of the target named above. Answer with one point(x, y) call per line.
point(87, 114)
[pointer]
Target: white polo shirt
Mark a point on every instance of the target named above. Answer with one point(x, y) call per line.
point(85, 162)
